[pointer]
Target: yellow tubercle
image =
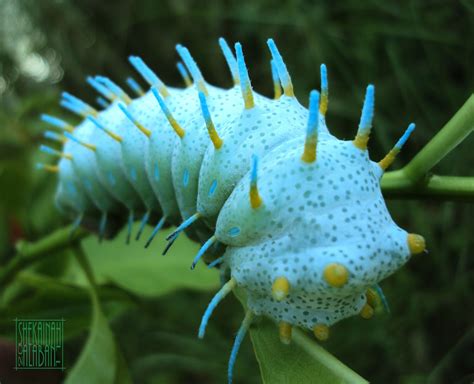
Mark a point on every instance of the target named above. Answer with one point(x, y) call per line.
point(92, 147)
point(202, 87)
point(309, 154)
point(288, 90)
point(255, 199)
point(285, 330)
point(389, 159)
point(248, 98)
point(276, 90)
point(321, 332)
point(114, 136)
point(336, 275)
point(280, 288)
point(366, 312)
point(216, 140)
point(187, 81)
point(373, 299)
point(127, 100)
point(177, 128)
point(323, 106)
point(163, 91)
point(416, 243)
point(361, 141)
point(145, 131)
point(69, 128)
point(50, 168)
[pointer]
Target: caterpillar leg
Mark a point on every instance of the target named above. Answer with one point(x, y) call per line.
point(168, 246)
point(129, 227)
point(102, 226)
point(184, 74)
point(134, 86)
point(102, 102)
point(171, 238)
point(249, 316)
point(376, 297)
point(76, 224)
point(217, 261)
point(143, 222)
point(155, 231)
point(219, 296)
point(185, 224)
point(203, 250)
point(382, 297)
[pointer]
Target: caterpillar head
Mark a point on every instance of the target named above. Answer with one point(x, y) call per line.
point(314, 234)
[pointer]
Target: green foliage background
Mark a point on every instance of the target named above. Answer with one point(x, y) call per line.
point(420, 56)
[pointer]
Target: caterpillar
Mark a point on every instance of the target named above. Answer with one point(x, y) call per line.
point(291, 214)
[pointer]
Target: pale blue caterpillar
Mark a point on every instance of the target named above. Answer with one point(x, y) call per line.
point(293, 214)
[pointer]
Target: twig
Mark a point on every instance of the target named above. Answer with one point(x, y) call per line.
point(396, 185)
point(448, 138)
point(29, 253)
point(415, 180)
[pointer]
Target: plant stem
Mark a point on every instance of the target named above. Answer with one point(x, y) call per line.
point(415, 181)
point(448, 138)
point(397, 185)
point(86, 267)
point(29, 253)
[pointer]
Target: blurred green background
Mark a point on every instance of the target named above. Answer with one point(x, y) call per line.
point(420, 56)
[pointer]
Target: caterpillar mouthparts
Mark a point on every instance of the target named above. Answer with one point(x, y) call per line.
point(294, 214)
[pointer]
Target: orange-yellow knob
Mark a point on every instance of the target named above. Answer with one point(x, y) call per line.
point(321, 332)
point(416, 243)
point(367, 311)
point(280, 288)
point(373, 298)
point(285, 332)
point(336, 275)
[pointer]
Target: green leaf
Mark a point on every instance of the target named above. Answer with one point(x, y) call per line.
point(40, 296)
point(122, 374)
point(100, 360)
point(300, 362)
point(97, 362)
point(146, 272)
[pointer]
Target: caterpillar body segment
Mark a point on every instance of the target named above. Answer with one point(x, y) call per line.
point(84, 164)
point(133, 149)
point(190, 150)
point(251, 132)
point(146, 153)
point(184, 152)
point(293, 214)
point(109, 161)
point(70, 197)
